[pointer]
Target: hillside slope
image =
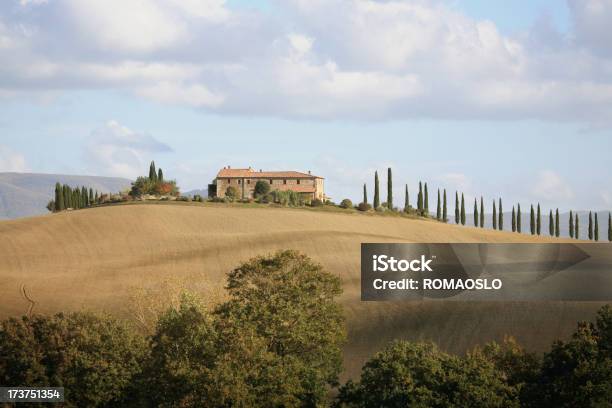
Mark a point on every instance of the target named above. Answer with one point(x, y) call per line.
point(95, 258)
point(27, 194)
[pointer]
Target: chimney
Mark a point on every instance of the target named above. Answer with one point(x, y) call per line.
point(260, 170)
point(309, 172)
point(229, 167)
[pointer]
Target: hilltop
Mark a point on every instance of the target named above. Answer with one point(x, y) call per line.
point(27, 194)
point(95, 258)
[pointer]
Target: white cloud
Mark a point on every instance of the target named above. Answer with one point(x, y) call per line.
point(551, 187)
point(119, 151)
point(11, 161)
point(355, 59)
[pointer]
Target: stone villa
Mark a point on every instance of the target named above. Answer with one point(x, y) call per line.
point(244, 180)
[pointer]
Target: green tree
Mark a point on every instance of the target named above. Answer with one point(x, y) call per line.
point(609, 227)
point(91, 196)
point(160, 175)
point(365, 193)
point(420, 204)
point(475, 212)
point(539, 221)
point(518, 218)
point(444, 208)
point(301, 325)
point(590, 225)
point(462, 210)
point(59, 198)
point(262, 188)
point(231, 192)
point(408, 374)
point(513, 219)
point(426, 203)
point(376, 191)
point(439, 208)
point(406, 200)
point(500, 224)
point(94, 357)
point(457, 219)
point(578, 372)
point(557, 229)
point(152, 172)
point(532, 223)
point(84, 197)
point(389, 189)
point(571, 224)
point(494, 216)
point(551, 224)
point(577, 229)
point(482, 214)
point(596, 229)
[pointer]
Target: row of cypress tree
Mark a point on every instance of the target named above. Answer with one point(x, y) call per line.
point(535, 219)
point(73, 197)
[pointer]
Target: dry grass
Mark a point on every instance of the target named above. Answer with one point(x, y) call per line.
point(101, 258)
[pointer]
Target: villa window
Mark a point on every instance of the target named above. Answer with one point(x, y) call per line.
point(248, 181)
point(298, 181)
point(270, 181)
point(284, 181)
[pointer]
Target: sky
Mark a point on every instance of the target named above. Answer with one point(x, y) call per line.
point(490, 98)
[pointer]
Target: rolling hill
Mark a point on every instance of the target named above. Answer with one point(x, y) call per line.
point(27, 194)
point(96, 258)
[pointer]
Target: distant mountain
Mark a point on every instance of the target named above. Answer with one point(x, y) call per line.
point(202, 191)
point(27, 194)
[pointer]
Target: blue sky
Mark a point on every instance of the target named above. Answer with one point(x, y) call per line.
point(494, 100)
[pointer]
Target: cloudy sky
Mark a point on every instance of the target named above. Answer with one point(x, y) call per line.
point(489, 97)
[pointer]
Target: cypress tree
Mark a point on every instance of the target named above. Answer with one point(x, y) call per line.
point(609, 227)
point(97, 198)
point(420, 199)
point(532, 221)
point(590, 225)
point(160, 175)
point(571, 224)
point(596, 231)
point(539, 221)
point(577, 228)
point(59, 197)
point(500, 224)
point(518, 218)
point(439, 208)
point(551, 224)
point(91, 196)
point(513, 219)
point(152, 172)
point(494, 216)
point(376, 192)
point(457, 208)
point(444, 209)
point(406, 200)
point(482, 214)
point(365, 194)
point(462, 210)
point(426, 204)
point(84, 197)
point(389, 189)
point(557, 229)
point(475, 212)
point(66, 196)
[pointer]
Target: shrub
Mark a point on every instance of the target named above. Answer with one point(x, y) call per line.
point(419, 374)
point(346, 203)
point(316, 203)
point(93, 357)
point(231, 193)
point(364, 207)
point(287, 198)
point(183, 198)
point(262, 188)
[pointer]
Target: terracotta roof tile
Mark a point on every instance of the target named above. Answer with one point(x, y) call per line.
point(250, 173)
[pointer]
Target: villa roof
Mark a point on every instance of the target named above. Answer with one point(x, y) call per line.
point(250, 173)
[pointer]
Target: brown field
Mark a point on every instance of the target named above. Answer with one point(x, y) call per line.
point(96, 258)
